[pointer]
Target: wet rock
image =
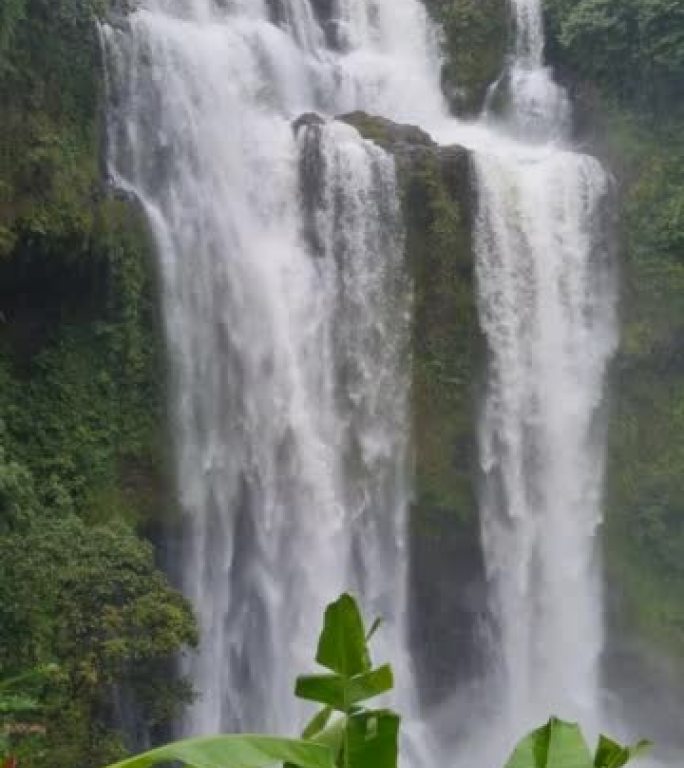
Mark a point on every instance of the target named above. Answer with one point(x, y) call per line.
point(385, 133)
point(307, 120)
point(437, 201)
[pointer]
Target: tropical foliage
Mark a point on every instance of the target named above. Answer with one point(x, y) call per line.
point(634, 48)
point(344, 734)
point(91, 599)
point(625, 62)
point(561, 745)
point(81, 436)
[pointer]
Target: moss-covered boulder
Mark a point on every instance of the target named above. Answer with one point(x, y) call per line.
point(436, 197)
point(475, 42)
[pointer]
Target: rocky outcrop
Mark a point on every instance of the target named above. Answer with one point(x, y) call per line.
point(437, 199)
point(475, 44)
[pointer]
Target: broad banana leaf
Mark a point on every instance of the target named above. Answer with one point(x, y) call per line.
point(239, 751)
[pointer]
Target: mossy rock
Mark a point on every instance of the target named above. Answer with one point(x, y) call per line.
point(475, 42)
point(436, 193)
point(387, 134)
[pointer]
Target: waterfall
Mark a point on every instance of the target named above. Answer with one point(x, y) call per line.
point(287, 310)
point(531, 104)
point(547, 299)
point(287, 343)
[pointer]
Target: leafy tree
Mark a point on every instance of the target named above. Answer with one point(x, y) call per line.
point(91, 599)
point(634, 49)
point(17, 497)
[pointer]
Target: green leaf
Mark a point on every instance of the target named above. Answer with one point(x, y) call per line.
point(342, 646)
point(370, 684)
point(340, 692)
point(556, 745)
point(610, 754)
point(324, 689)
point(333, 736)
point(243, 751)
point(317, 723)
point(372, 740)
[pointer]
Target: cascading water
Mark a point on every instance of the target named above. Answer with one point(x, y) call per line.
point(547, 306)
point(536, 107)
point(546, 301)
point(287, 309)
point(288, 357)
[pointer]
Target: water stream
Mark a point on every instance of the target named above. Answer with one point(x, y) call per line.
point(547, 298)
point(287, 309)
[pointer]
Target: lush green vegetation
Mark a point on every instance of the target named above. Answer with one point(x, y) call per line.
point(90, 598)
point(446, 335)
point(646, 471)
point(81, 435)
point(625, 62)
point(49, 88)
point(561, 745)
point(475, 39)
point(633, 49)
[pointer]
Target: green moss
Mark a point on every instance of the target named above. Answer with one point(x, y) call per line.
point(83, 407)
point(371, 127)
point(79, 333)
point(435, 189)
point(50, 89)
point(445, 337)
point(475, 46)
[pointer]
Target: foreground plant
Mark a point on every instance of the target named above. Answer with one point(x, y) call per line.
point(561, 745)
point(345, 734)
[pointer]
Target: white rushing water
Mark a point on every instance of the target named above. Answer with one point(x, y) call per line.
point(287, 310)
point(547, 305)
point(286, 307)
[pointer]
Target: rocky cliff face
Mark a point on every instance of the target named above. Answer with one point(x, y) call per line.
point(437, 199)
